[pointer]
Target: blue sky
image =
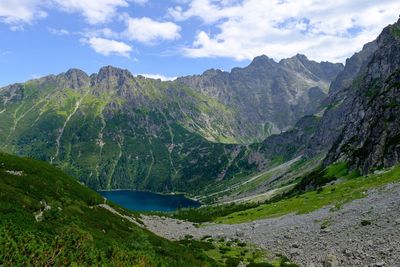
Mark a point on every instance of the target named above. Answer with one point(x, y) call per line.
point(172, 38)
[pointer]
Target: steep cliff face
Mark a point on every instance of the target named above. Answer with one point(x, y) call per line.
point(370, 137)
point(338, 101)
point(359, 120)
point(270, 97)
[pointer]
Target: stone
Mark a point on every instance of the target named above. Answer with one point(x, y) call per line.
point(331, 261)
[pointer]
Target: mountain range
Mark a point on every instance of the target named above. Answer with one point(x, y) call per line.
point(114, 130)
point(294, 162)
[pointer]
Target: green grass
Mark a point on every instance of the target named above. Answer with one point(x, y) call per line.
point(232, 252)
point(337, 194)
point(75, 231)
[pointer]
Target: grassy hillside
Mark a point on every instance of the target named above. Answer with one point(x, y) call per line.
point(48, 218)
point(314, 191)
point(143, 135)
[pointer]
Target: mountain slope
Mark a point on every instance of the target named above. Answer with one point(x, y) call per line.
point(114, 130)
point(269, 96)
point(371, 137)
point(49, 219)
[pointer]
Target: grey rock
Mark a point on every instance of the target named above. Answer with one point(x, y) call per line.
point(331, 261)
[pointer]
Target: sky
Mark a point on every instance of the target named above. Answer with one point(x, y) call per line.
point(169, 38)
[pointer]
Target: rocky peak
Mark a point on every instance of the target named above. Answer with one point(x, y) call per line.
point(75, 79)
point(262, 61)
point(353, 67)
point(110, 73)
point(212, 72)
point(325, 71)
point(386, 59)
point(110, 78)
point(301, 57)
point(369, 115)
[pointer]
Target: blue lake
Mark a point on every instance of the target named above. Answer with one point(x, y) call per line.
point(146, 201)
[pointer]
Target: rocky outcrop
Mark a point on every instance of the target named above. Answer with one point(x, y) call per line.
point(285, 146)
point(270, 97)
point(337, 103)
point(370, 137)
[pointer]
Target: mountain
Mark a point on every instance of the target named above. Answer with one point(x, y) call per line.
point(357, 123)
point(114, 130)
point(269, 97)
point(371, 137)
point(48, 219)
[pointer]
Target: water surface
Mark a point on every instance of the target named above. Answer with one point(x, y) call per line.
point(146, 201)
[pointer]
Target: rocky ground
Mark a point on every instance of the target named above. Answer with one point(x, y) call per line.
point(365, 232)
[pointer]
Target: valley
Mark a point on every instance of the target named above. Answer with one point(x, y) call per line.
point(332, 230)
point(294, 162)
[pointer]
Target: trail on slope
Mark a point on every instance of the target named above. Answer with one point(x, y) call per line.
point(17, 118)
point(100, 142)
point(240, 184)
point(112, 210)
point(172, 146)
point(61, 131)
point(120, 143)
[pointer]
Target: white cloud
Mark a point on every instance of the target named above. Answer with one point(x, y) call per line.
point(18, 12)
point(148, 31)
point(60, 32)
point(140, 2)
point(94, 11)
point(103, 32)
point(158, 76)
point(108, 47)
point(323, 30)
point(27, 11)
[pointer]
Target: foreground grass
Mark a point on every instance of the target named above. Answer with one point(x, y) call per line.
point(72, 229)
point(233, 252)
point(336, 195)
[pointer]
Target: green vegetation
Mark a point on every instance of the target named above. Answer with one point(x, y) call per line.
point(395, 30)
point(85, 133)
point(49, 219)
point(210, 212)
point(73, 229)
point(312, 192)
point(233, 252)
point(321, 176)
point(336, 195)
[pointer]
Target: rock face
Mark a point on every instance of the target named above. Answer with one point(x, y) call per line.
point(270, 97)
point(370, 138)
point(281, 147)
point(337, 102)
point(114, 130)
point(359, 121)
